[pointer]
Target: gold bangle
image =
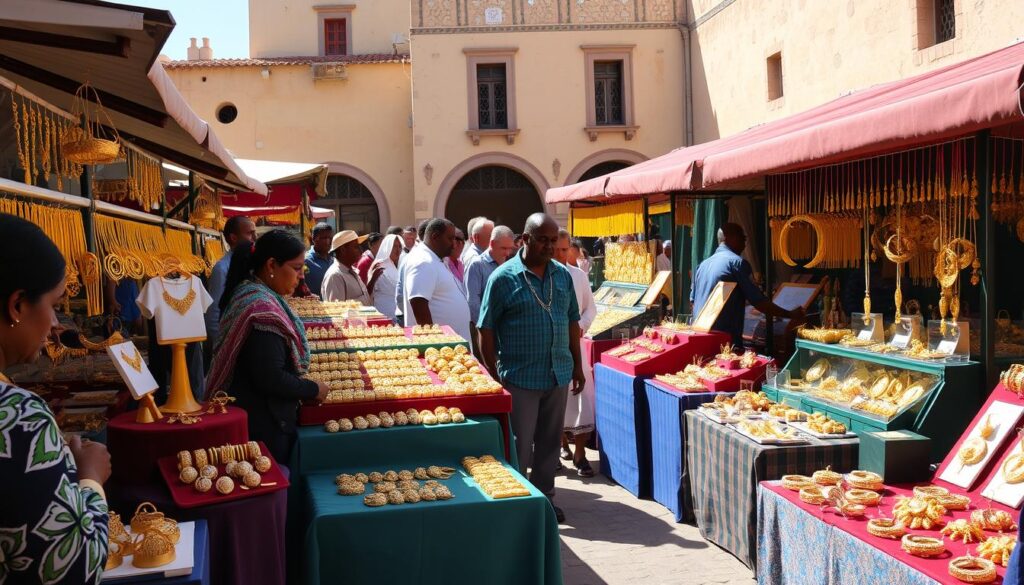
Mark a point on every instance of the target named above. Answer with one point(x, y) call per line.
point(923, 546)
point(796, 482)
point(863, 497)
point(200, 459)
point(954, 501)
point(812, 495)
point(930, 491)
point(865, 480)
point(1013, 468)
point(886, 528)
point(972, 569)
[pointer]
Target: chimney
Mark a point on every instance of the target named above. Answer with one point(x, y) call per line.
point(193, 51)
point(206, 51)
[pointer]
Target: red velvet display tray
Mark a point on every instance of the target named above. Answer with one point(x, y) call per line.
point(474, 404)
point(937, 568)
point(730, 384)
point(675, 357)
point(185, 496)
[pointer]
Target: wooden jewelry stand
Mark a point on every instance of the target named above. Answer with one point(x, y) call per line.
point(179, 396)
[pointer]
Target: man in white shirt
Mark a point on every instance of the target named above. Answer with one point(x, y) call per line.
point(664, 260)
point(431, 294)
point(479, 233)
point(342, 282)
point(579, 408)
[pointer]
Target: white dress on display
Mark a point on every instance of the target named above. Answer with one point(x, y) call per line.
point(178, 306)
point(579, 409)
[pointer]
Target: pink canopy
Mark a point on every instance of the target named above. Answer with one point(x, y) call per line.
point(979, 93)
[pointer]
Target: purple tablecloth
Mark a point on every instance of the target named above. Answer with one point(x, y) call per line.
point(247, 537)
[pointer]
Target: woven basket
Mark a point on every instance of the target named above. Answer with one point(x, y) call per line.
point(824, 335)
point(91, 151)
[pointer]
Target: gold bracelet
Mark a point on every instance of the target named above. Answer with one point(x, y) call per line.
point(863, 497)
point(886, 528)
point(930, 491)
point(796, 482)
point(865, 480)
point(923, 546)
point(812, 495)
point(973, 569)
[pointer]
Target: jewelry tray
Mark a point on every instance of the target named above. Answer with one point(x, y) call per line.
point(185, 496)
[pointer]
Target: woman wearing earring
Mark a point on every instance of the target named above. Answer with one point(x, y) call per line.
point(53, 520)
point(262, 352)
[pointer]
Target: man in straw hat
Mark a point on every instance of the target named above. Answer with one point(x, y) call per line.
point(342, 282)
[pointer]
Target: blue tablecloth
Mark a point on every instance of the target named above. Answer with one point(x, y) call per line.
point(794, 547)
point(623, 428)
point(200, 568)
point(671, 483)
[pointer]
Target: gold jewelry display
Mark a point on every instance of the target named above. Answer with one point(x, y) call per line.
point(998, 549)
point(629, 262)
point(797, 482)
point(972, 451)
point(972, 569)
point(922, 546)
point(183, 304)
point(493, 477)
point(964, 530)
point(219, 403)
point(863, 497)
point(915, 513)
point(812, 495)
point(885, 528)
point(991, 519)
point(865, 480)
point(135, 361)
point(826, 477)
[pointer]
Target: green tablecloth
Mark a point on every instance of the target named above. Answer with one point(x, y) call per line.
point(320, 451)
point(469, 539)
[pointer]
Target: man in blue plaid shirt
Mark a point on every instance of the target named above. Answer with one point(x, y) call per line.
point(530, 340)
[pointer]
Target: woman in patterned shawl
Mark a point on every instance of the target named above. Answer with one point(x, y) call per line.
point(53, 512)
point(261, 352)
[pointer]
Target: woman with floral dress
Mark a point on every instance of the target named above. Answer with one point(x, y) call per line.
point(53, 512)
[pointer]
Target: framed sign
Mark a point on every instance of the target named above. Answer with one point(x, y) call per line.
point(705, 320)
point(133, 369)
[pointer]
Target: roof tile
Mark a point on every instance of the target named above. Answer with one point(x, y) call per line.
point(286, 61)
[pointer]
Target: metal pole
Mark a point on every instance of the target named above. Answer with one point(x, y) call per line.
point(766, 262)
point(189, 205)
point(677, 300)
point(85, 185)
point(982, 164)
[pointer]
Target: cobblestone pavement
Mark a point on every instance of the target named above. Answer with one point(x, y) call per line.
point(611, 537)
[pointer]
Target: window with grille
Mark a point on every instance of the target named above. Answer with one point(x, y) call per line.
point(353, 205)
point(608, 93)
point(492, 96)
point(335, 36)
point(945, 21)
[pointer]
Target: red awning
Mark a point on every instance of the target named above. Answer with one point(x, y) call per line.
point(979, 93)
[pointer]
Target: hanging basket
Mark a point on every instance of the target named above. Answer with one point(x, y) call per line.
point(95, 143)
point(91, 151)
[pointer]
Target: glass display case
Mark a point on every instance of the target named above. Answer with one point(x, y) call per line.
point(620, 306)
point(870, 391)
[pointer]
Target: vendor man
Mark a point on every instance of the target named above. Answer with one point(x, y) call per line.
point(342, 282)
point(726, 265)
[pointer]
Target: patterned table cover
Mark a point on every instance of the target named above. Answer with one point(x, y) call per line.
point(726, 467)
point(670, 477)
point(795, 547)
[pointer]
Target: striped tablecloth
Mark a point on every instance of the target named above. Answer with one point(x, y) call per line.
point(725, 468)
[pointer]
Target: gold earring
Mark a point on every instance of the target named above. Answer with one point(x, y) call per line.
point(271, 275)
point(16, 322)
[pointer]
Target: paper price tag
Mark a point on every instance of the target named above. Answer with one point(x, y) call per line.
point(946, 346)
point(900, 341)
point(865, 335)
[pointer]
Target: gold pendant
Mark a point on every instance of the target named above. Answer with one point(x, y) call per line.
point(134, 361)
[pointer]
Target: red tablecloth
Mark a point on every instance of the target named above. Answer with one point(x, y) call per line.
point(135, 448)
point(937, 568)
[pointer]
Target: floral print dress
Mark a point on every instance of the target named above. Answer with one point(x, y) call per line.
point(51, 530)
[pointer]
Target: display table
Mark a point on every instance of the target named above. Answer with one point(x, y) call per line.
point(670, 478)
point(624, 434)
point(725, 468)
point(135, 447)
point(246, 537)
point(470, 538)
point(200, 569)
point(793, 536)
point(319, 451)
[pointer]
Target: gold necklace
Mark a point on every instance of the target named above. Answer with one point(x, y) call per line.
point(134, 361)
point(181, 305)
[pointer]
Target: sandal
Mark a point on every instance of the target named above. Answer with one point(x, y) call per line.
point(565, 454)
point(583, 469)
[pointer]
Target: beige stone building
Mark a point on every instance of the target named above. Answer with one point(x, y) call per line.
point(468, 107)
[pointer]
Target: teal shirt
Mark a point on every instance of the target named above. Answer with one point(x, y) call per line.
point(532, 344)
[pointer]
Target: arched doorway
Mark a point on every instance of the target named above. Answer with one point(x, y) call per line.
point(500, 193)
point(353, 204)
point(603, 169)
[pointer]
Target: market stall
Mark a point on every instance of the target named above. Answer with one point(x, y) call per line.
point(977, 487)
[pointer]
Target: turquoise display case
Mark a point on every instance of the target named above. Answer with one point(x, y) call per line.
point(953, 391)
